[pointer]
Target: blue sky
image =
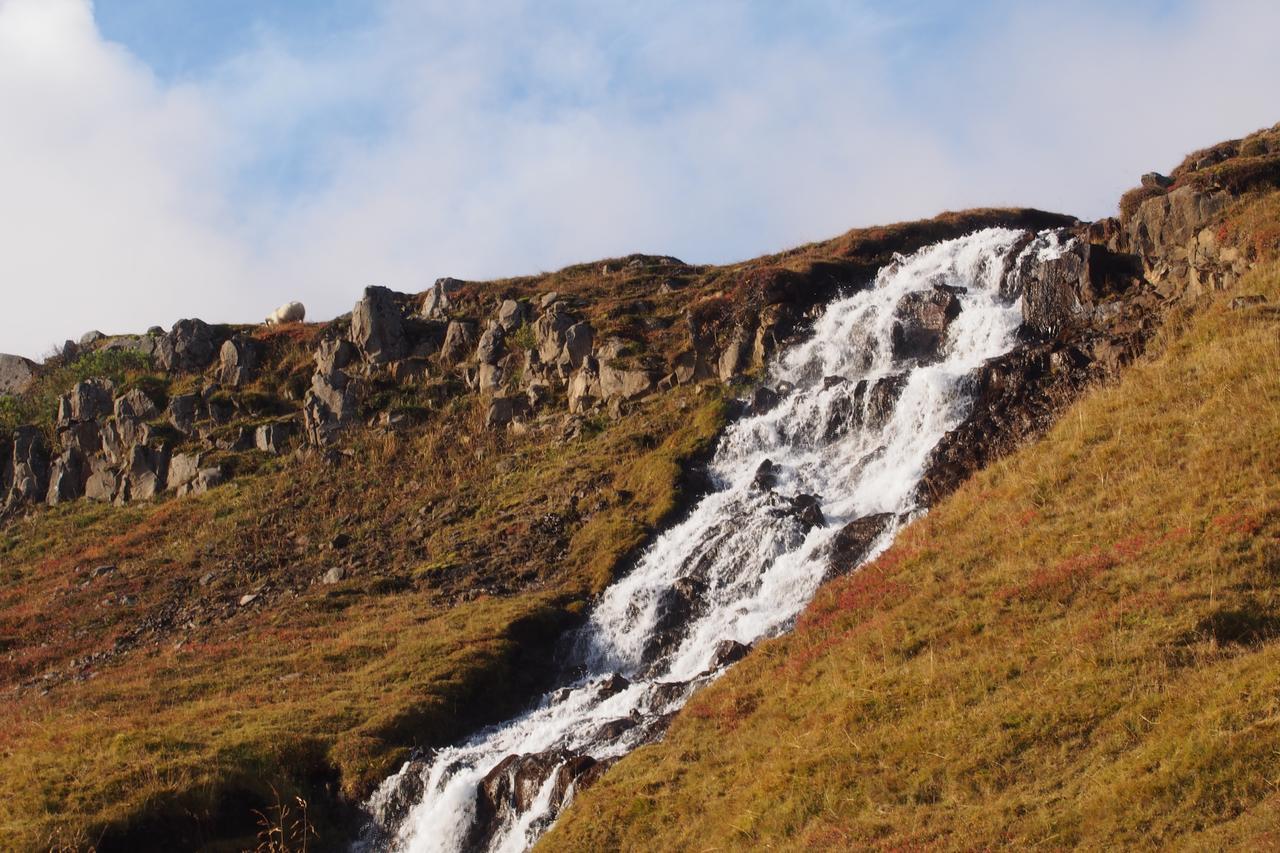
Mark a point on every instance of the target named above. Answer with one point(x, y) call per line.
point(171, 158)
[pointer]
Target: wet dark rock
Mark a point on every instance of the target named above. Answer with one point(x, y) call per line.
point(664, 693)
point(678, 605)
point(807, 510)
point(853, 543)
point(763, 399)
point(883, 397)
point(612, 685)
point(766, 477)
point(615, 729)
point(727, 652)
point(921, 322)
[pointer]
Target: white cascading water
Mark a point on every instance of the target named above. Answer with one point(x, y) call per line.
point(751, 560)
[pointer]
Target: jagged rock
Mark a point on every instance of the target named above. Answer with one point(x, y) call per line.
point(145, 471)
point(377, 327)
point(16, 374)
point(67, 477)
point(512, 786)
point(189, 346)
point(727, 652)
point(628, 384)
point(512, 314)
point(87, 401)
point(181, 412)
point(104, 481)
point(135, 405)
point(578, 340)
point(584, 389)
point(459, 339)
point(852, 544)
point(920, 323)
point(333, 355)
point(1156, 181)
point(84, 436)
point(27, 466)
point(239, 360)
point(436, 306)
point(329, 406)
point(1173, 219)
point(273, 437)
point(737, 353)
point(183, 468)
point(90, 338)
point(688, 367)
point(492, 345)
point(549, 331)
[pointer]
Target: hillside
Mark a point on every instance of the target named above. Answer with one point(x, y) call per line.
point(1076, 649)
point(246, 564)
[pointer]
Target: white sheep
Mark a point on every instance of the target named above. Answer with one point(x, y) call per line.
point(290, 312)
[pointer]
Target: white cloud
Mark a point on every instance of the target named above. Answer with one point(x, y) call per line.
point(508, 137)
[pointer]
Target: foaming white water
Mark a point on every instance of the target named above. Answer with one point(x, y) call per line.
point(854, 432)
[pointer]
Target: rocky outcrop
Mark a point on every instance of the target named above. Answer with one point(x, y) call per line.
point(853, 543)
point(16, 374)
point(377, 327)
point(86, 401)
point(191, 345)
point(239, 360)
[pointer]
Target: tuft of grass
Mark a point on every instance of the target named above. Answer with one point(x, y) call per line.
point(1078, 648)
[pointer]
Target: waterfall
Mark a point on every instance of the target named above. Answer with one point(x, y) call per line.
point(860, 405)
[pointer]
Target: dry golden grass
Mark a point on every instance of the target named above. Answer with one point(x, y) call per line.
point(1080, 648)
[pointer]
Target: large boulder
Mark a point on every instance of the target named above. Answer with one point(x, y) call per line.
point(67, 477)
point(921, 320)
point(377, 327)
point(182, 412)
point(329, 406)
point(104, 480)
point(436, 306)
point(492, 345)
point(145, 471)
point(736, 356)
point(16, 374)
point(459, 340)
point(190, 345)
point(578, 340)
point(135, 405)
point(626, 383)
point(273, 437)
point(87, 401)
point(549, 331)
point(183, 468)
point(513, 314)
point(239, 360)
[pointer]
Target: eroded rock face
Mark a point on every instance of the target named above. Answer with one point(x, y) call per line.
point(16, 374)
point(549, 331)
point(377, 327)
point(27, 467)
point(67, 477)
point(135, 405)
point(921, 322)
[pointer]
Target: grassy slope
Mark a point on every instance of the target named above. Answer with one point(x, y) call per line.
point(1078, 648)
point(138, 700)
point(338, 680)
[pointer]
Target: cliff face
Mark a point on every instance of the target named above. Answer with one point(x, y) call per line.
point(245, 557)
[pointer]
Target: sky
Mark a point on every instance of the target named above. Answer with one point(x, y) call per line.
point(162, 159)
